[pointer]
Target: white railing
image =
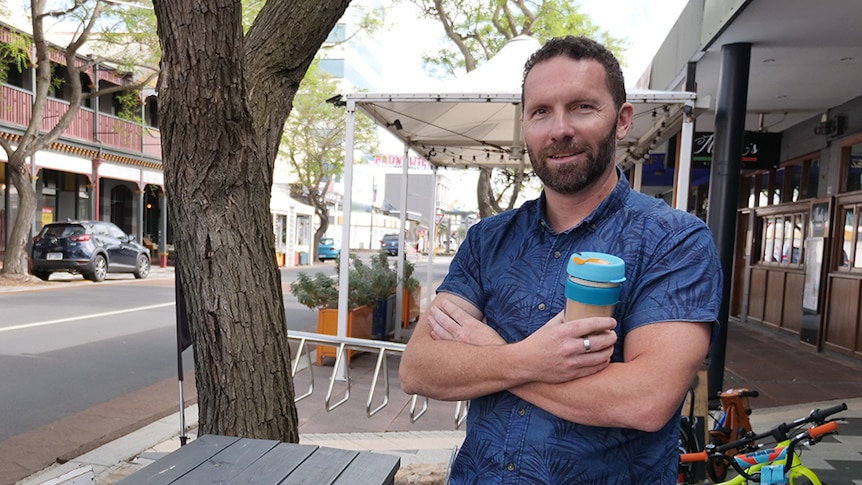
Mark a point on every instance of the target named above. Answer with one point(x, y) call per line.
point(382, 348)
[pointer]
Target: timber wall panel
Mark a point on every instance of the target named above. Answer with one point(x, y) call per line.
point(843, 321)
point(756, 294)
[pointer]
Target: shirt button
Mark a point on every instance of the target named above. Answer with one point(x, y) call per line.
point(557, 254)
point(510, 467)
point(522, 412)
point(541, 306)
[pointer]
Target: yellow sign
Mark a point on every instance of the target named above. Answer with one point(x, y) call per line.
point(47, 215)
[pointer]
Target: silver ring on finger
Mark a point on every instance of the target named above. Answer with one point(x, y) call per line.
point(587, 347)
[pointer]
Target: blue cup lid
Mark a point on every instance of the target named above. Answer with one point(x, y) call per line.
point(598, 267)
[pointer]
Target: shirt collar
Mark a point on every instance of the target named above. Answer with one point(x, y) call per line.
point(612, 203)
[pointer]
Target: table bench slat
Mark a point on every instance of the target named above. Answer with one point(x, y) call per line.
point(231, 461)
point(173, 466)
point(276, 465)
point(368, 468)
point(322, 468)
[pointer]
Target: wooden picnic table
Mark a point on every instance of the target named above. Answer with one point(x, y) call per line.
point(244, 461)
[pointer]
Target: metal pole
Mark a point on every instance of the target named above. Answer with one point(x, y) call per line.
point(163, 229)
point(402, 243)
point(683, 180)
point(346, 208)
point(431, 245)
point(724, 185)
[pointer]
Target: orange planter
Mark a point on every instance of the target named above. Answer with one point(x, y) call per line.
point(358, 326)
point(410, 306)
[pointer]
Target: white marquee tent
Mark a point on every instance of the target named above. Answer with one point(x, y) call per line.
point(474, 121)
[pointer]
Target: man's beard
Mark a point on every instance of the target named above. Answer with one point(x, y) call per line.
point(572, 178)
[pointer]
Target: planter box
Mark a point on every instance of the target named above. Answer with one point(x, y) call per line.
point(410, 306)
point(358, 326)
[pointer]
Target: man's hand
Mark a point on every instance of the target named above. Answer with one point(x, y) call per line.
point(557, 351)
point(559, 348)
point(449, 322)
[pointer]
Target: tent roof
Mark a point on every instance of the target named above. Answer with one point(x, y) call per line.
point(474, 121)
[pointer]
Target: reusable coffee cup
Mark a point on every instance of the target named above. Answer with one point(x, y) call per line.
point(593, 284)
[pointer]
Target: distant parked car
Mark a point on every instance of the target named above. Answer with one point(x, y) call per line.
point(90, 248)
point(328, 248)
point(389, 243)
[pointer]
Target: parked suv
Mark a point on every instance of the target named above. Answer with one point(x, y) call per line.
point(389, 243)
point(90, 248)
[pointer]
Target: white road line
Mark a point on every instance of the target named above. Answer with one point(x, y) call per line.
point(85, 317)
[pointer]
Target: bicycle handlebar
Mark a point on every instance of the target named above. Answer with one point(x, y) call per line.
point(780, 432)
point(819, 431)
point(814, 433)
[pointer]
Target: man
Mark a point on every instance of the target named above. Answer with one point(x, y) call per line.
point(546, 407)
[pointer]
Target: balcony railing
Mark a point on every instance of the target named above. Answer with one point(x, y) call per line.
point(111, 131)
point(383, 349)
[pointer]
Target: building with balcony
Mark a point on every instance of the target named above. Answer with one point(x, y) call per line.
point(103, 166)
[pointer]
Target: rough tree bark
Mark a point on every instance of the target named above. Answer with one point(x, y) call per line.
point(223, 100)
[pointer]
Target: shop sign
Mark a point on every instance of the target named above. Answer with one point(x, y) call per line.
point(761, 151)
point(47, 215)
point(397, 161)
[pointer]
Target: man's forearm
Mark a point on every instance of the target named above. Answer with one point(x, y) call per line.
point(455, 371)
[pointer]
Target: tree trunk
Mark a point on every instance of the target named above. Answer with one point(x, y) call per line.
point(219, 176)
point(485, 194)
point(15, 261)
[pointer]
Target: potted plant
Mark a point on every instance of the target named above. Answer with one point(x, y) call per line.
point(320, 292)
point(383, 280)
point(412, 293)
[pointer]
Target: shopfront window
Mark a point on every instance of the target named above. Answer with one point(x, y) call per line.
point(851, 246)
point(303, 230)
point(796, 180)
point(813, 178)
point(854, 168)
point(281, 233)
point(782, 239)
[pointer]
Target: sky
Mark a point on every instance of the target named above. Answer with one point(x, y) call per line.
point(644, 23)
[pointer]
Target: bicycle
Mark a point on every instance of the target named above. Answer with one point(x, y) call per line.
point(731, 424)
point(729, 411)
point(777, 465)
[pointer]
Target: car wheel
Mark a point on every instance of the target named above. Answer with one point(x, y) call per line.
point(42, 275)
point(142, 268)
point(100, 269)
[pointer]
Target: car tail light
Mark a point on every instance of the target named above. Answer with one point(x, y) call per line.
point(37, 239)
point(80, 238)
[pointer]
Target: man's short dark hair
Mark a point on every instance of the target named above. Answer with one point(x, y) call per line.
point(581, 48)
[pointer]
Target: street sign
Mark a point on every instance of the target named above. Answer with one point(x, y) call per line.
point(437, 218)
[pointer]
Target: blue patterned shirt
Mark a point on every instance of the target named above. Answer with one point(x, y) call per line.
point(513, 268)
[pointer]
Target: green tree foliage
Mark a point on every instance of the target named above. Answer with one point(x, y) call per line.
point(313, 142)
point(478, 30)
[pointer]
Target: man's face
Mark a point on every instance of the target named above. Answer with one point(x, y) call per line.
point(570, 123)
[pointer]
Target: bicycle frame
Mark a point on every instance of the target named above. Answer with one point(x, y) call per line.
point(770, 465)
point(731, 426)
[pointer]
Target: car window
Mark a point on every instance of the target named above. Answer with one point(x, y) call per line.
point(115, 231)
point(327, 241)
point(99, 229)
point(62, 230)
